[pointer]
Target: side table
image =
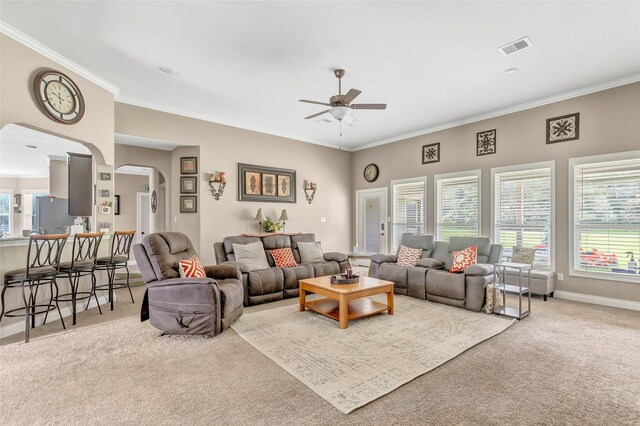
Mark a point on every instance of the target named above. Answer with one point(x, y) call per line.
point(499, 271)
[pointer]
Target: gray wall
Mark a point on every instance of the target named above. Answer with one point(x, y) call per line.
point(609, 122)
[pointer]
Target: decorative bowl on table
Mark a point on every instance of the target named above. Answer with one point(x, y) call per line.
point(342, 279)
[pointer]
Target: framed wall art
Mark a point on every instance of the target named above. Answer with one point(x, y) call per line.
point(486, 142)
point(116, 204)
point(104, 193)
point(188, 185)
point(431, 153)
point(266, 184)
point(188, 165)
point(188, 204)
point(564, 128)
point(105, 176)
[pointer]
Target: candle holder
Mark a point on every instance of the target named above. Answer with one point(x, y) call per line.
point(310, 189)
point(217, 184)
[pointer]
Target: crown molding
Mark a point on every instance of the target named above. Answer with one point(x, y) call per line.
point(24, 39)
point(203, 117)
point(634, 78)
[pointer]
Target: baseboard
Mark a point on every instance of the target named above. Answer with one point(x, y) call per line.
point(18, 327)
point(597, 300)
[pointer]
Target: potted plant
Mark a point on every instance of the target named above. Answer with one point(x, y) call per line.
point(271, 226)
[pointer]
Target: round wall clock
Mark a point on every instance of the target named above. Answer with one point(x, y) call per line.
point(371, 172)
point(59, 97)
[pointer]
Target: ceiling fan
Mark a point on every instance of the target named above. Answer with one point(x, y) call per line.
point(341, 104)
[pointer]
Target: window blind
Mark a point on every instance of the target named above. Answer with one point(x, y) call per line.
point(523, 206)
point(457, 206)
point(408, 210)
point(5, 213)
point(606, 217)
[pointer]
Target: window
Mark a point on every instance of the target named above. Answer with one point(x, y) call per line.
point(523, 210)
point(5, 212)
point(457, 205)
point(605, 216)
point(409, 208)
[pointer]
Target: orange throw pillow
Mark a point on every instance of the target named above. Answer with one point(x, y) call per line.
point(283, 258)
point(464, 258)
point(408, 256)
point(192, 268)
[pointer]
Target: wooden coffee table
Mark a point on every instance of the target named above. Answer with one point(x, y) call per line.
point(345, 302)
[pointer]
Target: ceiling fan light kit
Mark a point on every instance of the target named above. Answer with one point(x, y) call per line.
point(340, 105)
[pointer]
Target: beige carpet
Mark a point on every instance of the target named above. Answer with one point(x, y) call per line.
point(375, 355)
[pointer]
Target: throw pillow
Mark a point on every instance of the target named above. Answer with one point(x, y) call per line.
point(252, 255)
point(191, 268)
point(283, 257)
point(464, 258)
point(492, 303)
point(523, 255)
point(311, 252)
point(408, 256)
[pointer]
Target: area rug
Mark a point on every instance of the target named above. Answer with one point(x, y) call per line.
point(375, 355)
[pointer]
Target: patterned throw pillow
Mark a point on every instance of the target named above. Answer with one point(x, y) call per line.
point(408, 256)
point(192, 268)
point(464, 258)
point(523, 255)
point(283, 257)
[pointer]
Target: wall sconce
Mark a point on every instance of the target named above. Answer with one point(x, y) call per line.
point(284, 217)
point(310, 189)
point(217, 183)
point(17, 204)
point(260, 218)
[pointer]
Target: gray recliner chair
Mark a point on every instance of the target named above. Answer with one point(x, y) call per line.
point(175, 305)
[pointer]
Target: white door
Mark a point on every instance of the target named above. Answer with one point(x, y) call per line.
point(142, 217)
point(371, 220)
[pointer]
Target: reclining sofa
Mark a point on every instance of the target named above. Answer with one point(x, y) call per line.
point(430, 278)
point(204, 306)
point(274, 283)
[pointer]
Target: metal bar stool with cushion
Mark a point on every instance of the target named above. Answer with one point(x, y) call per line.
point(43, 260)
point(120, 247)
point(82, 264)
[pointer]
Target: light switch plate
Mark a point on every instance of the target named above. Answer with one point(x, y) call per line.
point(323, 219)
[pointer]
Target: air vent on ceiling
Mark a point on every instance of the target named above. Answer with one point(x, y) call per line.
point(515, 46)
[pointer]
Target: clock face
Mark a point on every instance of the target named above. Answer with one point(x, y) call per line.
point(371, 172)
point(59, 97)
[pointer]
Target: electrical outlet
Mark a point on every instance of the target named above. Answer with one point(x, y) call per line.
point(323, 219)
point(560, 276)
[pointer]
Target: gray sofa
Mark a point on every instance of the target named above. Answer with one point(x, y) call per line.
point(268, 285)
point(175, 305)
point(430, 278)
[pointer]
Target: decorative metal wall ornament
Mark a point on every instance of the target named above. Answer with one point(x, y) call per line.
point(486, 142)
point(431, 153)
point(563, 128)
point(310, 189)
point(154, 201)
point(270, 184)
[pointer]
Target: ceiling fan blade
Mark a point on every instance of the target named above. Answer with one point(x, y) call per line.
point(369, 106)
point(351, 95)
point(315, 115)
point(314, 102)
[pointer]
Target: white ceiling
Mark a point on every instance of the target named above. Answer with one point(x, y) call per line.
point(248, 63)
point(16, 161)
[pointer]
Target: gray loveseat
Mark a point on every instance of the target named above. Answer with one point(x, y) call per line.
point(274, 283)
point(430, 278)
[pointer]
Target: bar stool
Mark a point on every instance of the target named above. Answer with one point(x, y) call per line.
point(43, 260)
point(120, 248)
point(82, 264)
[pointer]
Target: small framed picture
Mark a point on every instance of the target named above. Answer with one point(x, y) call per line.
point(105, 209)
point(269, 184)
point(486, 142)
point(104, 193)
point(431, 153)
point(284, 186)
point(116, 204)
point(188, 204)
point(188, 165)
point(105, 176)
point(564, 128)
point(188, 185)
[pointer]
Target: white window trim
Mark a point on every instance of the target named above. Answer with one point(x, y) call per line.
point(572, 234)
point(519, 168)
point(393, 204)
point(10, 192)
point(453, 175)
